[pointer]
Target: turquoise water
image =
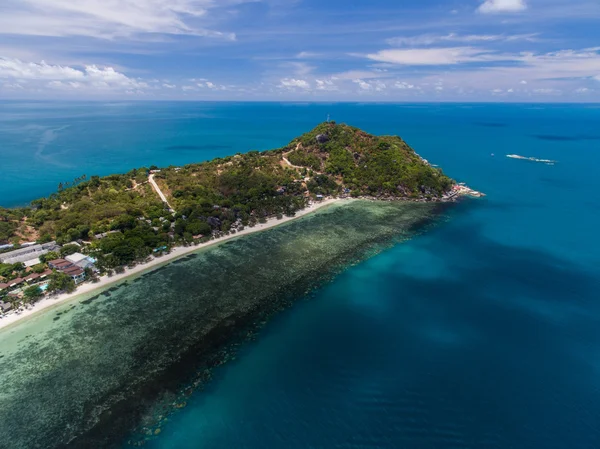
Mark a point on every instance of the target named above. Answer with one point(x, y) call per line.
point(482, 333)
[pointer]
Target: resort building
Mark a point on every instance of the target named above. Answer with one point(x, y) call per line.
point(13, 283)
point(69, 268)
point(59, 264)
point(82, 261)
point(28, 255)
point(5, 307)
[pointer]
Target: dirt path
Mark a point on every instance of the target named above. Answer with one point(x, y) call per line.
point(157, 190)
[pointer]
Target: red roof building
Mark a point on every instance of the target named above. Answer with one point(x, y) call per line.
point(14, 282)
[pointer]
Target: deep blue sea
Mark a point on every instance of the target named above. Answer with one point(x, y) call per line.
point(482, 333)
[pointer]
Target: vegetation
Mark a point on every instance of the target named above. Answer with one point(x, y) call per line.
point(123, 220)
point(304, 159)
point(61, 282)
point(10, 222)
point(11, 271)
point(31, 294)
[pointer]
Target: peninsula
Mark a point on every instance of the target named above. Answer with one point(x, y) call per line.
point(97, 228)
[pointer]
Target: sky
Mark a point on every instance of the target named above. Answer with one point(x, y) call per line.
point(301, 50)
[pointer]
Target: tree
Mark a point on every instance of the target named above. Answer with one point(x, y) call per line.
point(38, 268)
point(60, 282)
point(32, 293)
point(90, 274)
point(52, 255)
point(67, 250)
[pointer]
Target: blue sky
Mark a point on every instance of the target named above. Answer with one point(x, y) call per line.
point(301, 50)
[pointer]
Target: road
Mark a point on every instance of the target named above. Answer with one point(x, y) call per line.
point(160, 193)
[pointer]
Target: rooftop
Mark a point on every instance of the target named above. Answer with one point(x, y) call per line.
point(76, 257)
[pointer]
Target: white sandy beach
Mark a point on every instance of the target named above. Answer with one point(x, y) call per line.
point(105, 281)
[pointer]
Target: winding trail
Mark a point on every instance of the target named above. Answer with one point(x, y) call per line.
point(297, 167)
point(160, 193)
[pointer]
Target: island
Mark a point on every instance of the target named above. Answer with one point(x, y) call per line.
point(97, 228)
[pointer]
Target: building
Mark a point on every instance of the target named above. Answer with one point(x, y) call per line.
point(32, 277)
point(5, 307)
point(104, 234)
point(82, 261)
point(76, 273)
point(3, 286)
point(15, 282)
point(67, 267)
point(60, 264)
point(28, 254)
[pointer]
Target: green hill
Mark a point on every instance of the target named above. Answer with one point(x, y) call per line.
point(223, 195)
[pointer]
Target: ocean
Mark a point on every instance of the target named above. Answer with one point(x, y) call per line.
point(473, 327)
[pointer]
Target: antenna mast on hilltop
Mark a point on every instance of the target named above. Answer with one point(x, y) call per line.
point(327, 118)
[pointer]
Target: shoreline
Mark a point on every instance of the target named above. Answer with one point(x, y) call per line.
point(14, 318)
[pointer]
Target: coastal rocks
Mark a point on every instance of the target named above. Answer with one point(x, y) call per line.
point(322, 138)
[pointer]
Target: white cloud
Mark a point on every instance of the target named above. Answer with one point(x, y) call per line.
point(597, 78)
point(500, 6)
point(429, 39)
point(541, 74)
point(326, 85)
point(15, 68)
point(380, 86)
point(107, 18)
point(307, 55)
point(375, 85)
point(548, 91)
point(403, 85)
point(488, 67)
point(205, 84)
point(292, 83)
point(65, 77)
point(12, 86)
point(169, 86)
point(359, 74)
point(432, 56)
point(297, 68)
point(582, 90)
point(363, 84)
point(109, 77)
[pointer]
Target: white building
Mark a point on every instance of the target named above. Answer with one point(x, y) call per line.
point(81, 260)
point(28, 254)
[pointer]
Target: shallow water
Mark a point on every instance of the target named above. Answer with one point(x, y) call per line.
point(93, 371)
point(480, 333)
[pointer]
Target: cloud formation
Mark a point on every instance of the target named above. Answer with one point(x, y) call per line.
point(107, 19)
point(432, 56)
point(502, 6)
point(292, 83)
point(430, 39)
point(57, 76)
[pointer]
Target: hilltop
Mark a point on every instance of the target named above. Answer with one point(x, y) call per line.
point(121, 219)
